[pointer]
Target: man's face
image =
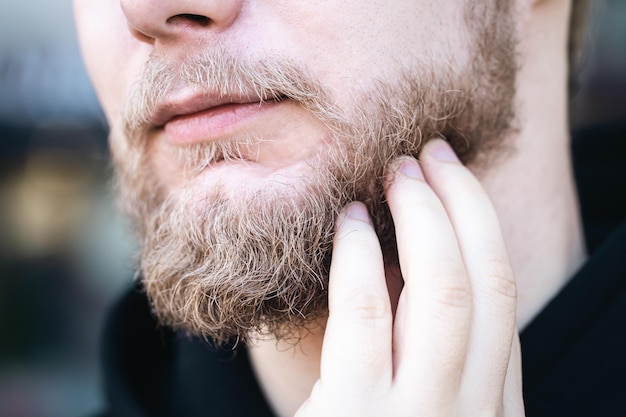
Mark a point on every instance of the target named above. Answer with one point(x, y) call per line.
point(240, 128)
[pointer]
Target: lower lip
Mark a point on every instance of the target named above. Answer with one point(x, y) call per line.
point(214, 123)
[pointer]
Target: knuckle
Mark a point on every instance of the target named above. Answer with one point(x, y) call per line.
point(368, 306)
point(452, 288)
point(455, 296)
point(501, 280)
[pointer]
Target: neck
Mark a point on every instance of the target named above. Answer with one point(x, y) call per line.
point(286, 372)
point(532, 189)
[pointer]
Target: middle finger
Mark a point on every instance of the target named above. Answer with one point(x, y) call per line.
point(434, 316)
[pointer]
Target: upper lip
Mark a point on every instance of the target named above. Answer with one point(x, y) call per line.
point(184, 104)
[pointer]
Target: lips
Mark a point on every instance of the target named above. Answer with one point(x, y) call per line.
point(204, 118)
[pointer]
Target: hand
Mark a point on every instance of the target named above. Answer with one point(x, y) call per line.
point(452, 348)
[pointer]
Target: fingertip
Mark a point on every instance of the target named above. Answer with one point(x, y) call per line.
point(357, 211)
point(404, 166)
point(440, 150)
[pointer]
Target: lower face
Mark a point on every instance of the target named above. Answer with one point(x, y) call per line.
point(235, 208)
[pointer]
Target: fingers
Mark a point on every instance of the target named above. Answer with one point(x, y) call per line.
point(356, 354)
point(478, 235)
point(458, 309)
point(513, 402)
point(436, 304)
point(455, 323)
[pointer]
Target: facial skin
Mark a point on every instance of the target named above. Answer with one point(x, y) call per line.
point(238, 210)
point(349, 101)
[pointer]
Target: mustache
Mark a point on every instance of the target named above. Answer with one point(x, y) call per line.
point(221, 74)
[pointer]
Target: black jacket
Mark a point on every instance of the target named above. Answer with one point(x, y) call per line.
point(574, 351)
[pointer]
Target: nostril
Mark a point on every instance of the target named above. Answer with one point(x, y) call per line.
point(196, 19)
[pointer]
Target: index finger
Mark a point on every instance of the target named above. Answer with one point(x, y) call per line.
point(356, 353)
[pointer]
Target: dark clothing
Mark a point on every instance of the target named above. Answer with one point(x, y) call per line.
point(152, 371)
point(574, 351)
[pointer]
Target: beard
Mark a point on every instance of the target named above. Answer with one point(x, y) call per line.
point(226, 264)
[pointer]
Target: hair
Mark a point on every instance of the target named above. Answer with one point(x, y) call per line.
point(236, 258)
point(579, 19)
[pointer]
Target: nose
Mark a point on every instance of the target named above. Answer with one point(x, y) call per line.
point(167, 19)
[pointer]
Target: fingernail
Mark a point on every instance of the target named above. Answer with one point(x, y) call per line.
point(358, 211)
point(410, 168)
point(441, 150)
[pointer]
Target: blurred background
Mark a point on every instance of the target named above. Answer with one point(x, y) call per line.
point(64, 253)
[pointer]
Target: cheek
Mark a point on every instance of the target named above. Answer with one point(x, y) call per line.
point(113, 58)
point(353, 42)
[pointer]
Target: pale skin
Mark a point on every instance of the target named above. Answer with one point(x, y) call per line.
point(534, 199)
point(451, 348)
point(464, 240)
